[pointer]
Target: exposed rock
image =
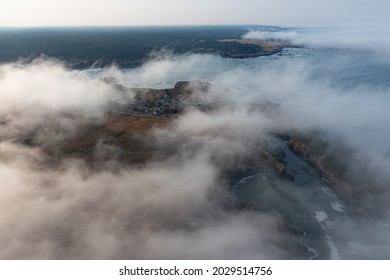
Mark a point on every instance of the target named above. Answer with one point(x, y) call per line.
point(279, 166)
point(161, 102)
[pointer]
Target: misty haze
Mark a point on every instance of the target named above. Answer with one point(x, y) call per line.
point(231, 142)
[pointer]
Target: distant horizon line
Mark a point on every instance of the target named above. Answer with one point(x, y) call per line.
point(184, 25)
point(136, 25)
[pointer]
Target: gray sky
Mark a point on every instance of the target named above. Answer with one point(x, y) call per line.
point(188, 12)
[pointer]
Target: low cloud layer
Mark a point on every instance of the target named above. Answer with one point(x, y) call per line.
point(268, 35)
point(363, 38)
point(164, 69)
point(163, 211)
point(176, 206)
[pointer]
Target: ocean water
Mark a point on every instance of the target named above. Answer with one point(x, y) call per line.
point(307, 205)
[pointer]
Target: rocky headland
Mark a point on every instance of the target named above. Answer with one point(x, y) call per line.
point(264, 47)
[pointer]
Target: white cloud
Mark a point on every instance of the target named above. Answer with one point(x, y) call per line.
point(267, 35)
point(173, 207)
